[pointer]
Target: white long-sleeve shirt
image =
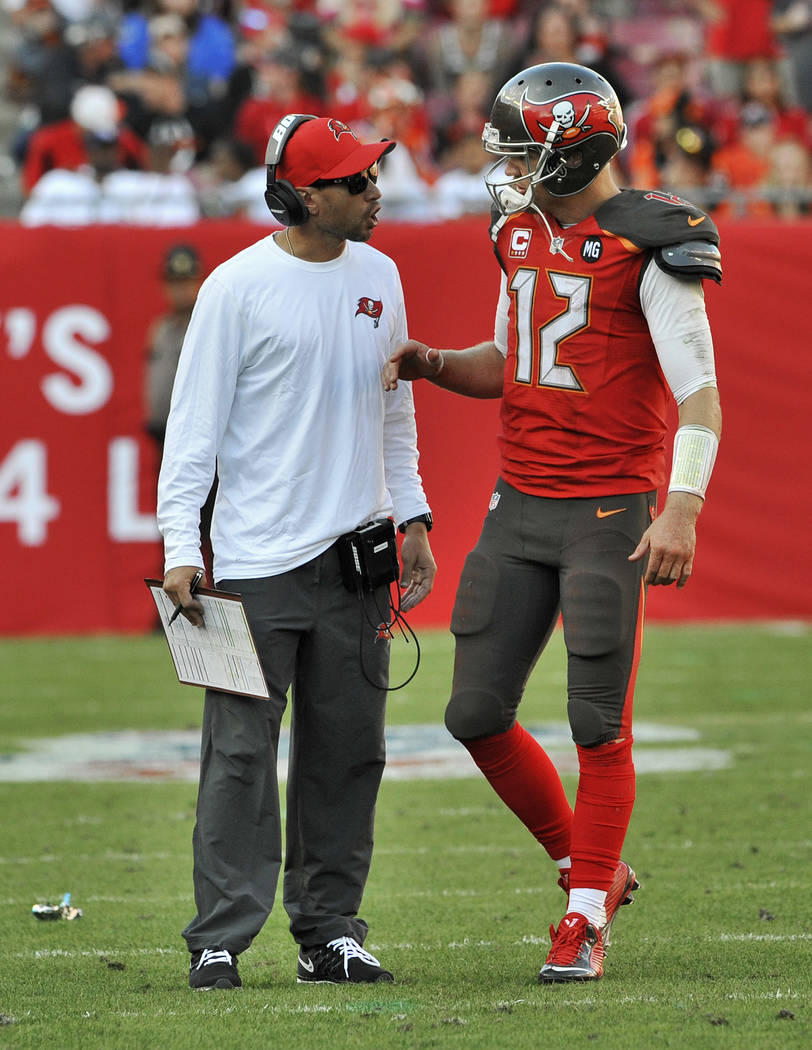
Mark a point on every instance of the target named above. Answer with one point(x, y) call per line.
point(279, 384)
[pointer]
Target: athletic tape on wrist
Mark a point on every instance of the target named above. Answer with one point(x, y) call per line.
point(695, 450)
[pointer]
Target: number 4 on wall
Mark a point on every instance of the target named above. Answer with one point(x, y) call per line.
point(24, 495)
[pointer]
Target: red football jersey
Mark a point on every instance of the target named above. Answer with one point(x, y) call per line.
point(585, 400)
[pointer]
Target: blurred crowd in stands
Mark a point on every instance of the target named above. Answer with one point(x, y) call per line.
point(158, 112)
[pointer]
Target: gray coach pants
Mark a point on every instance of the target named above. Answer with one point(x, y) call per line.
point(308, 631)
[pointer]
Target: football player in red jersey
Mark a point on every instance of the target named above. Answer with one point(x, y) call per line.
point(601, 319)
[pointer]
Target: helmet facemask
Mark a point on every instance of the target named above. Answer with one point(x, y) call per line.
point(542, 163)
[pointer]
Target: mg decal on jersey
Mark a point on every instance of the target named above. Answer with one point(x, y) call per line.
point(370, 308)
point(592, 249)
point(519, 243)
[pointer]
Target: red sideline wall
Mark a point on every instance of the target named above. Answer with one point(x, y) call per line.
point(77, 476)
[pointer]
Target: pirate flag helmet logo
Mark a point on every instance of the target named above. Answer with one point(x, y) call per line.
point(563, 120)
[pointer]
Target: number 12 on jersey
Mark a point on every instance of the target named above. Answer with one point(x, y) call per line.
point(575, 289)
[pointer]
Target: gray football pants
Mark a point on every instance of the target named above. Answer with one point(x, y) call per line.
point(307, 628)
point(537, 557)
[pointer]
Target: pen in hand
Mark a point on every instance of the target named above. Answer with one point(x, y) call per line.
point(198, 576)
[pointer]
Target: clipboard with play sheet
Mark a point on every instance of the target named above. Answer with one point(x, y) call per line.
point(219, 655)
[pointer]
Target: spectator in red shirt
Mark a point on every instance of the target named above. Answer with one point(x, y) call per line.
point(276, 90)
point(786, 193)
point(349, 74)
point(763, 83)
point(737, 31)
point(674, 103)
point(94, 110)
point(746, 162)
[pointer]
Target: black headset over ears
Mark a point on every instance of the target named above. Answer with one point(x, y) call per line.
point(285, 204)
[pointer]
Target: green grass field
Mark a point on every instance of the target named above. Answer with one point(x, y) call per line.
point(715, 953)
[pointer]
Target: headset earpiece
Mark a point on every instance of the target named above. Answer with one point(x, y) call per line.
point(284, 203)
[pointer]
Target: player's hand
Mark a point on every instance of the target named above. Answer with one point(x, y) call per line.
point(670, 542)
point(176, 585)
point(412, 360)
point(418, 566)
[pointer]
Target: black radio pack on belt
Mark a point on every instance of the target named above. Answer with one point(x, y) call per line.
point(369, 556)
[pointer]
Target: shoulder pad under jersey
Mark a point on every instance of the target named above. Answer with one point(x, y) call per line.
point(653, 218)
point(690, 259)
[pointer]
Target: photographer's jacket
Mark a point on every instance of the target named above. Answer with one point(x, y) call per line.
point(279, 386)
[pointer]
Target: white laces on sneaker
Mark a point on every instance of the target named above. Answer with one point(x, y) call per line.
point(214, 955)
point(351, 949)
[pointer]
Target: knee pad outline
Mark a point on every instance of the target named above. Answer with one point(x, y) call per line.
point(470, 714)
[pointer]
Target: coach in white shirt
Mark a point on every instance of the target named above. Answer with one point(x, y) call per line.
point(278, 385)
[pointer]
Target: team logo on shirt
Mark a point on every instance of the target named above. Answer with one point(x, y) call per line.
point(370, 308)
point(519, 243)
point(592, 249)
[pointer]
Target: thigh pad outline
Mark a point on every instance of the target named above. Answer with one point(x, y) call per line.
point(476, 594)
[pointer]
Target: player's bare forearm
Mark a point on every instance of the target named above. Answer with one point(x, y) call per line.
point(670, 540)
point(477, 371)
point(702, 409)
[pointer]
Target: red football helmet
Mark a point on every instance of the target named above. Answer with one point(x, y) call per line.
point(564, 120)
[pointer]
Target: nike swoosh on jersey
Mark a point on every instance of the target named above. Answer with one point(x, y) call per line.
point(697, 220)
point(599, 513)
point(307, 964)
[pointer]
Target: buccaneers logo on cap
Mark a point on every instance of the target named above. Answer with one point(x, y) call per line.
point(339, 128)
point(579, 115)
point(371, 308)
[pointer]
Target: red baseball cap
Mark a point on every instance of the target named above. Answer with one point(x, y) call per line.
point(327, 148)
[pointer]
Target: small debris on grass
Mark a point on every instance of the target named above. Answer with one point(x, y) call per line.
point(63, 910)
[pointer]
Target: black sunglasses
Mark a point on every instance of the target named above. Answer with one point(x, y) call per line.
point(356, 183)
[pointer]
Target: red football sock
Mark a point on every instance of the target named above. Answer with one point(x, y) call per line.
point(603, 809)
point(522, 775)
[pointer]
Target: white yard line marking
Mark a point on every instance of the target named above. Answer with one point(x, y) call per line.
point(532, 940)
point(414, 752)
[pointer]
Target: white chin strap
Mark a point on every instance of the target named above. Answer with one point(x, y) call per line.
point(512, 200)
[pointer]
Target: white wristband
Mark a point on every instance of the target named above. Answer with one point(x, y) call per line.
point(695, 450)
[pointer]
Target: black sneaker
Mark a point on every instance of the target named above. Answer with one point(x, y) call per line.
point(213, 968)
point(342, 961)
